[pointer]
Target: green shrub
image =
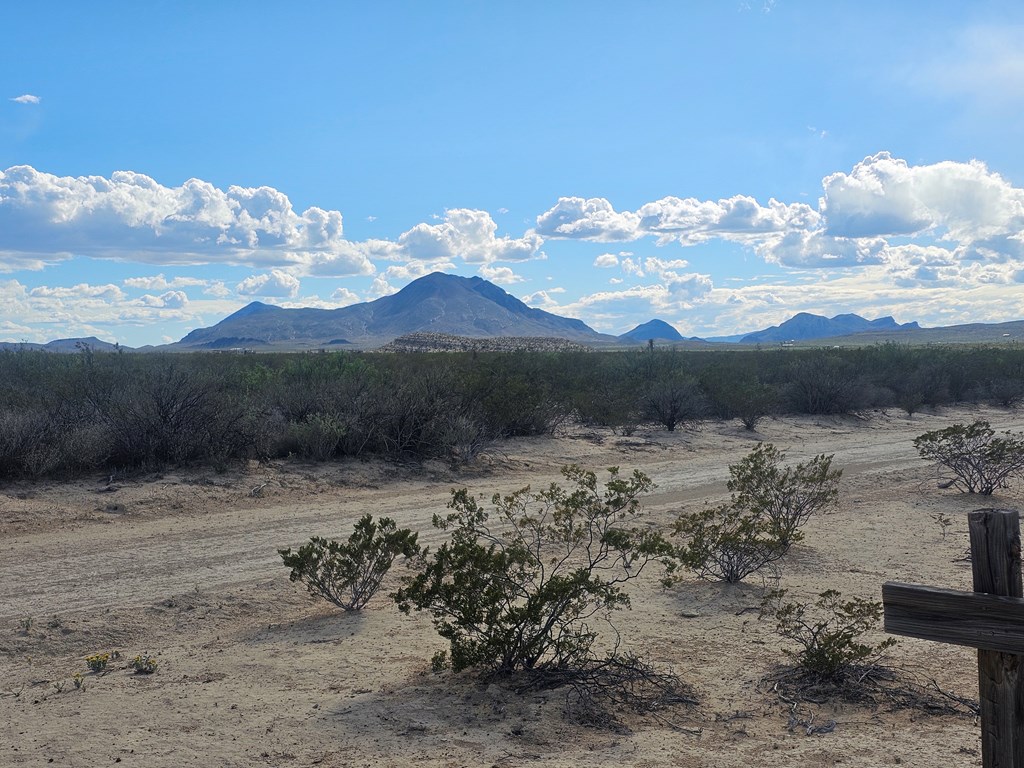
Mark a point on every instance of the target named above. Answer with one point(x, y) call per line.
point(514, 589)
point(757, 527)
point(981, 460)
point(785, 496)
point(725, 543)
point(319, 435)
point(829, 633)
point(349, 574)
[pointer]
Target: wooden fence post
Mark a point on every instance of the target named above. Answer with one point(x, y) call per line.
point(995, 546)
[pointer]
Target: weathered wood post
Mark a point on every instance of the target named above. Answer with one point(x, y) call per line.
point(990, 619)
point(995, 554)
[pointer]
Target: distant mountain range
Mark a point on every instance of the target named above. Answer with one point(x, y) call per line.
point(436, 303)
point(474, 308)
point(66, 345)
point(807, 326)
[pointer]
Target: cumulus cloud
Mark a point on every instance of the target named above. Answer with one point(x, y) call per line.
point(274, 283)
point(689, 221)
point(740, 218)
point(380, 287)
point(160, 283)
point(588, 219)
point(673, 293)
point(859, 216)
point(688, 288)
point(469, 235)
point(80, 291)
point(26, 98)
point(131, 217)
point(885, 196)
point(415, 268)
point(217, 289)
point(169, 300)
point(543, 299)
point(342, 297)
point(500, 275)
point(606, 260)
point(48, 312)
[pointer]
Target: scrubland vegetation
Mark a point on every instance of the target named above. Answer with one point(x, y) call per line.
point(62, 415)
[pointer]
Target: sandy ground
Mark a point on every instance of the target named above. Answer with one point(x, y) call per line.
point(255, 672)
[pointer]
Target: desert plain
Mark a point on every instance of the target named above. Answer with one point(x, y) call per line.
point(253, 671)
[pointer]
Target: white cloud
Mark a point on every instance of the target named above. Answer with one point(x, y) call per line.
point(380, 287)
point(169, 300)
point(884, 195)
point(543, 299)
point(739, 218)
point(469, 235)
point(801, 249)
point(133, 218)
point(410, 270)
point(858, 216)
point(688, 288)
point(275, 283)
point(26, 98)
point(48, 312)
point(217, 289)
point(587, 219)
point(632, 267)
point(343, 297)
point(638, 303)
point(160, 283)
point(500, 275)
point(606, 260)
point(82, 290)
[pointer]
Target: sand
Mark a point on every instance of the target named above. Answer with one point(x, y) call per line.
point(253, 671)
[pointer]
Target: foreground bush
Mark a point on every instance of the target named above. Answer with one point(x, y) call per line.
point(770, 502)
point(513, 588)
point(829, 633)
point(349, 574)
point(786, 497)
point(980, 460)
point(725, 543)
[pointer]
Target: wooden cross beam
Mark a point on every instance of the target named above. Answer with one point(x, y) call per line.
point(990, 619)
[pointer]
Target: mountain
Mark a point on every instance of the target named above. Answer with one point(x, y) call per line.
point(66, 345)
point(652, 329)
point(436, 303)
point(807, 326)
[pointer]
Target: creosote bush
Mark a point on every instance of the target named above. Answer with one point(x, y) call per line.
point(785, 497)
point(348, 574)
point(724, 543)
point(829, 633)
point(770, 502)
point(92, 411)
point(981, 460)
point(513, 588)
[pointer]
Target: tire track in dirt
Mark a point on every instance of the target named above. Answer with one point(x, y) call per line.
point(137, 561)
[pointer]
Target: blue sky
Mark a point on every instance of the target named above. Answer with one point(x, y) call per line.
point(720, 165)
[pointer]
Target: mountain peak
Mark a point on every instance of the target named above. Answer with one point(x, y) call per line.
point(434, 303)
point(653, 329)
